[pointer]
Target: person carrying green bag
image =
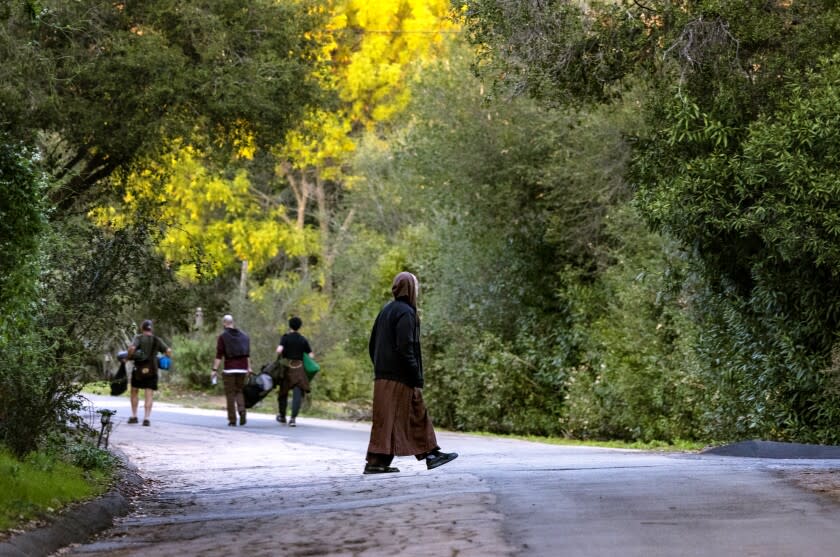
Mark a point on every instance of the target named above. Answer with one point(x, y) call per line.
point(294, 347)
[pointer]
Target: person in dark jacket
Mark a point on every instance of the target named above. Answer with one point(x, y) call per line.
point(292, 347)
point(401, 424)
point(234, 347)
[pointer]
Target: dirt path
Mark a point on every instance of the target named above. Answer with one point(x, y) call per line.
point(230, 492)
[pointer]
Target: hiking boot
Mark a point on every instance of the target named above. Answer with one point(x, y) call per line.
point(132, 420)
point(379, 469)
point(281, 419)
point(242, 420)
point(292, 422)
point(437, 458)
point(231, 424)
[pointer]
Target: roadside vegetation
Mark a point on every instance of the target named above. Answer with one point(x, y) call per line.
point(43, 482)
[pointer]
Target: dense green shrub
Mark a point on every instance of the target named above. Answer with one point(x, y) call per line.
point(343, 377)
point(22, 220)
point(36, 391)
point(638, 376)
point(765, 378)
point(737, 162)
point(192, 360)
point(88, 456)
point(762, 219)
point(36, 383)
point(488, 385)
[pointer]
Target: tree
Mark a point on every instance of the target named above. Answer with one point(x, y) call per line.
point(22, 221)
point(366, 55)
point(370, 53)
point(725, 79)
point(33, 398)
point(89, 90)
point(208, 220)
point(103, 84)
point(465, 195)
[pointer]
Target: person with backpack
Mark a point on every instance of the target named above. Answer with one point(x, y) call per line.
point(143, 351)
point(234, 347)
point(401, 425)
point(293, 346)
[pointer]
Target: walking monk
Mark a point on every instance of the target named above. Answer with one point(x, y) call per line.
point(401, 425)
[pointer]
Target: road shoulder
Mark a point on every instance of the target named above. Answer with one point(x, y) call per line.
point(77, 523)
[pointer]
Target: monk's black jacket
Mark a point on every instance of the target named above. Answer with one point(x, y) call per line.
point(395, 344)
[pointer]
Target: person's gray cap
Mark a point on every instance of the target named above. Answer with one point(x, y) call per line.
point(227, 319)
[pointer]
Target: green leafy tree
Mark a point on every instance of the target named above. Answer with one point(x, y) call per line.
point(32, 398)
point(736, 167)
point(506, 211)
point(104, 83)
point(763, 222)
point(94, 88)
point(22, 220)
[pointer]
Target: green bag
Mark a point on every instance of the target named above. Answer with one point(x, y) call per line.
point(310, 366)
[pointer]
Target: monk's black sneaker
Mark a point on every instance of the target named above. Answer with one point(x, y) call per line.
point(437, 458)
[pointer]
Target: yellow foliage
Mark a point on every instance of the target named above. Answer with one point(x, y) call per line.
point(369, 52)
point(208, 215)
point(108, 217)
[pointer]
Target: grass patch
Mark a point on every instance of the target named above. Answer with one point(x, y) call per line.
point(97, 388)
point(43, 483)
point(663, 446)
point(192, 399)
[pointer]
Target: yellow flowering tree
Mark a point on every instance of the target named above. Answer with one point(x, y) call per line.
point(210, 221)
point(369, 51)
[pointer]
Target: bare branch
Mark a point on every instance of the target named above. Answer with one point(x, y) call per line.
point(701, 40)
point(643, 7)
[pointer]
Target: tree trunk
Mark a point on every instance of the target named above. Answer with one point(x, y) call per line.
point(243, 278)
point(324, 229)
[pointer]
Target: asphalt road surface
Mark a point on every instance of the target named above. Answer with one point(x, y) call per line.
point(268, 489)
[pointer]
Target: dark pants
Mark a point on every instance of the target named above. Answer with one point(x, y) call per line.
point(387, 459)
point(233, 383)
point(380, 459)
point(283, 396)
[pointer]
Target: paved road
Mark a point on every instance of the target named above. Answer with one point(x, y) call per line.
point(266, 489)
